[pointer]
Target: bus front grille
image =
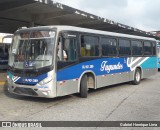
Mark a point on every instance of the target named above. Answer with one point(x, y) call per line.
point(26, 91)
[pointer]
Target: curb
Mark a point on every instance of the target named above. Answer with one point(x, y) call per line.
point(2, 83)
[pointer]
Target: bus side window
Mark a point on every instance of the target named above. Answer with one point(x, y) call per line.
point(137, 48)
point(108, 47)
point(83, 49)
point(147, 48)
point(67, 49)
point(61, 53)
point(89, 46)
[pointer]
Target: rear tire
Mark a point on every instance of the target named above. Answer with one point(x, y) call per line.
point(137, 77)
point(84, 87)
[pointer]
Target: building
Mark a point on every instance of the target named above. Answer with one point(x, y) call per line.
point(157, 33)
point(31, 13)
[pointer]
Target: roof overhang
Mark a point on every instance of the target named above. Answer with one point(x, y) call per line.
point(18, 13)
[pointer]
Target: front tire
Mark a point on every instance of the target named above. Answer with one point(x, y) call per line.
point(137, 77)
point(84, 87)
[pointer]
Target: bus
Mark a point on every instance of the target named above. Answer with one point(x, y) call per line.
point(94, 59)
point(158, 54)
point(4, 49)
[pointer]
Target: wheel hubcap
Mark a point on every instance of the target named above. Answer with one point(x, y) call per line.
point(138, 76)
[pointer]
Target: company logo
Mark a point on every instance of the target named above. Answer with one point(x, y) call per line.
point(6, 124)
point(108, 68)
point(29, 64)
point(15, 78)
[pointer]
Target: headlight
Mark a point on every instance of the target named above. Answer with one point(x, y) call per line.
point(8, 79)
point(45, 81)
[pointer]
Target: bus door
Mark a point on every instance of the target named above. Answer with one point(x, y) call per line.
point(67, 51)
point(67, 54)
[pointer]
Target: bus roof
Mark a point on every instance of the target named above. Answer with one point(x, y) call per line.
point(92, 31)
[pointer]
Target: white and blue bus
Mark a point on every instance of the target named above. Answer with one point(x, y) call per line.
point(4, 49)
point(54, 61)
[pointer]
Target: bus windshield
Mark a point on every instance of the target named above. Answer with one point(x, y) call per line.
point(32, 50)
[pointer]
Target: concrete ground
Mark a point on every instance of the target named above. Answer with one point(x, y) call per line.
point(123, 102)
point(3, 76)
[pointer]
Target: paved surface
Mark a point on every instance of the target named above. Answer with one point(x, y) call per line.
point(2, 76)
point(123, 102)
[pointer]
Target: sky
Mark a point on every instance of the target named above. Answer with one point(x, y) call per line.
point(141, 14)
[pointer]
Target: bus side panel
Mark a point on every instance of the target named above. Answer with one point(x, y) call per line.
point(112, 79)
point(149, 67)
point(104, 69)
point(108, 71)
point(67, 87)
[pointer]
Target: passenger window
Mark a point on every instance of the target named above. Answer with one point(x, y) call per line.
point(124, 47)
point(67, 49)
point(89, 46)
point(137, 48)
point(70, 48)
point(147, 48)
point(109, 47)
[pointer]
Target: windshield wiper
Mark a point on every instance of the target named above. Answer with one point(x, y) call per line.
point(41, 60)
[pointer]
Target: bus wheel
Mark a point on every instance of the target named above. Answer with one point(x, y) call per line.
point(137, 77)
point(84, 87)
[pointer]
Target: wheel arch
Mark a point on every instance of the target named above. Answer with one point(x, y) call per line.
point(140, 68)
point(88, 72)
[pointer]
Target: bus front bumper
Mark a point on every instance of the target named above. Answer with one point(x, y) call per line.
point(45, 91)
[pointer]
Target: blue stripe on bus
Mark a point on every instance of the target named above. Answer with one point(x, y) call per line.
point(102, 66)
point(99, 67)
